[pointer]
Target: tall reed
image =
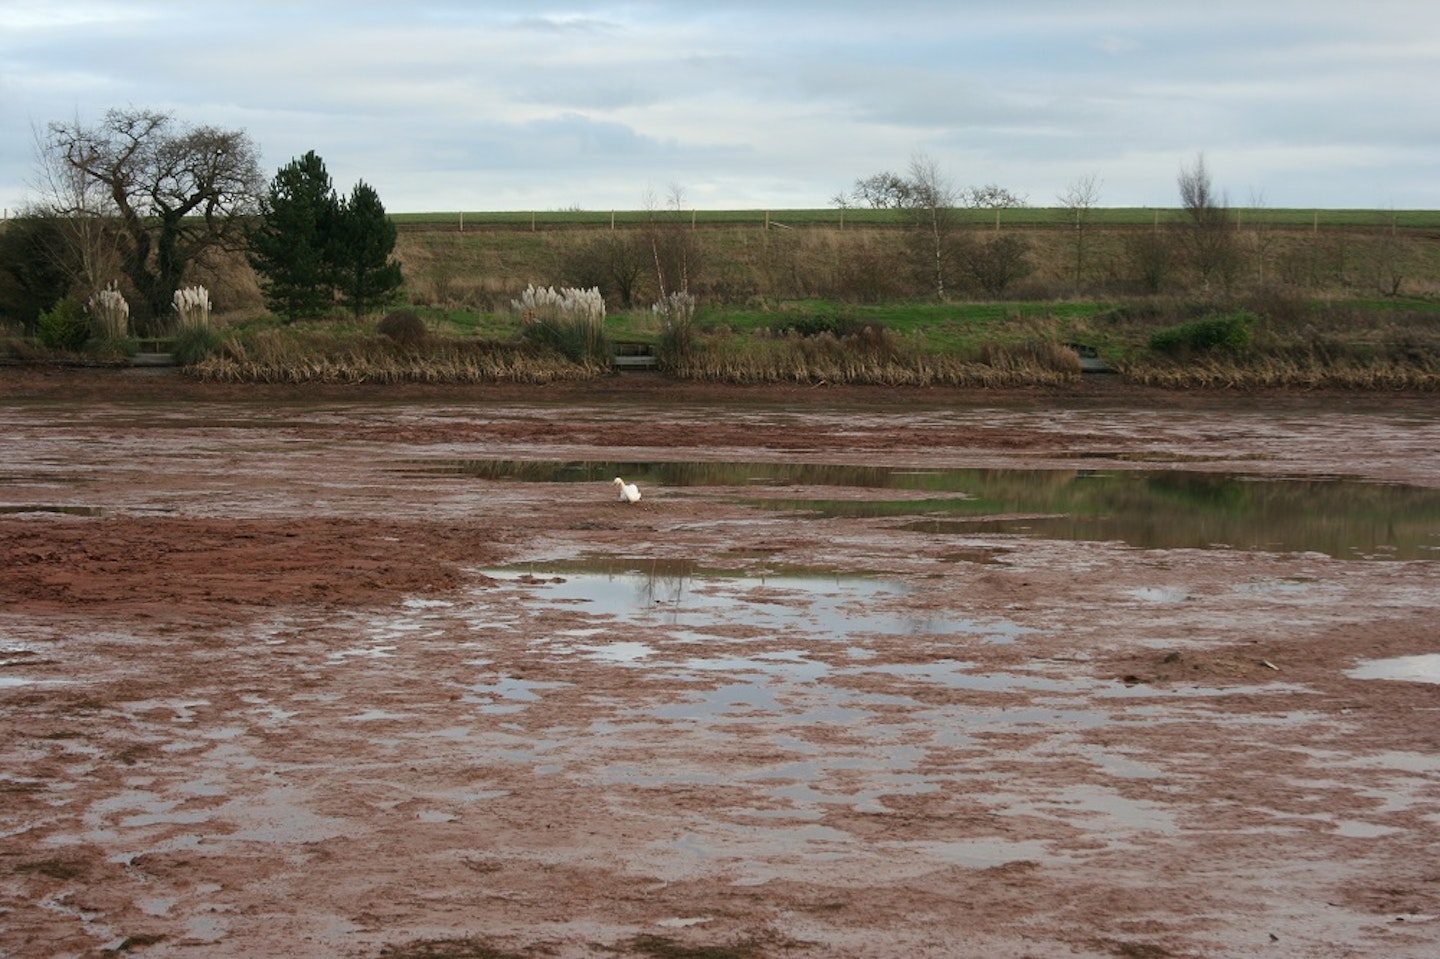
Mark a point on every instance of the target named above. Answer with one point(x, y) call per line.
point(676, 313)
point(569, 321)
point(192, 308)
point(110, 312)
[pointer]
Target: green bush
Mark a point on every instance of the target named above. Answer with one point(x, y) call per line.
point(1225, 333)
point(838, 325)
point(64, 326)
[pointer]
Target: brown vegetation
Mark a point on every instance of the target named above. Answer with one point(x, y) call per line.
point(272, 356)
point(750, 265)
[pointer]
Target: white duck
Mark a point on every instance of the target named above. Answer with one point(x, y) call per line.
point(629, 492)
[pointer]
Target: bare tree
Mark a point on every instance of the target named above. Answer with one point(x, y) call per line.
point(1151, 256)
point(931, 205)
point(1079, 201)
point(673, 244)
point(884, 191)
point(994, 264)
point(613, 260)
point(992, 196)
point(173, 193)
point(1262, 237)
point(87, 248)
point(1210, 235)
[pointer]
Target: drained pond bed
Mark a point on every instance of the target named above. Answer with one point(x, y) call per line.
point(359, 677)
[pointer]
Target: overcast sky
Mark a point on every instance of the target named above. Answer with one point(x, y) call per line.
point(767, 104)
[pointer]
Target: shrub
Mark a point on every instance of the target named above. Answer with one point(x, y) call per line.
point(569, 321)
point(994, 264)
point(818, 325)
point(194, 344)
point(404, 328)
point(1226, 333)
point(111, 349)
point(1283, 307)
point(64, 326)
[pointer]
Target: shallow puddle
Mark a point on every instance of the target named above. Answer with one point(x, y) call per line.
point(1147, 509)
point(792, 646)
point(1412, 669)
point(815, 606)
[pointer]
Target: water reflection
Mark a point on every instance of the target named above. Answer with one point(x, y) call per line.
point(1147, 509)
point(9, 509)
point(691, 601)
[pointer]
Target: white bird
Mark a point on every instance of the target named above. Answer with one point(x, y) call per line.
point(629, 492)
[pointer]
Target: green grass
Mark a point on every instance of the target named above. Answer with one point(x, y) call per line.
point(946, 327)
point(1385, 304)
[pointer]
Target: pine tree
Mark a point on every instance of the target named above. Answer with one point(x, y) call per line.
point(363, 241)
point(291, 249)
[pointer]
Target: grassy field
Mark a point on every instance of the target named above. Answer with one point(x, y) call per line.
point(1017, 217)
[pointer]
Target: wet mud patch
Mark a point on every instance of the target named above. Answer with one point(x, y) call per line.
point(173, 562)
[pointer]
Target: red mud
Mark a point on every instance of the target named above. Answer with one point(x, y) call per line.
point(265, 693)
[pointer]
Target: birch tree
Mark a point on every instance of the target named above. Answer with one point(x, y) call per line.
point(934, 225)
point(1079, 201)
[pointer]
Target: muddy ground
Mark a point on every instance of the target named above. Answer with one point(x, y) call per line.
point(275, 682)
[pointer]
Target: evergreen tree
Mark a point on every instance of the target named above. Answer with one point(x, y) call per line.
point(292, 248)
point(364, 239)
point(36, 270)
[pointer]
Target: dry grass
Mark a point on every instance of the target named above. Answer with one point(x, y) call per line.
point(273, 356)
point(871, 358)
point(1272, 372)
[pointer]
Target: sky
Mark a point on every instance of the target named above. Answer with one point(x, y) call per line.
point(770, 104)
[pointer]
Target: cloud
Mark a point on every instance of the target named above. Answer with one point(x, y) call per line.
point(753, 104)
point(1116, 46)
